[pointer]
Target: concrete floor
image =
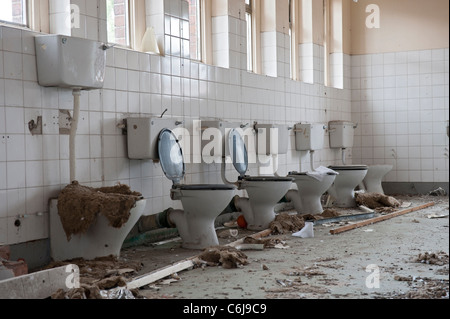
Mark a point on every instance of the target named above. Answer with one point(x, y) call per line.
point(372, 262)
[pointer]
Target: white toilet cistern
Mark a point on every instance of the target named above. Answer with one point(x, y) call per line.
point(71, 63)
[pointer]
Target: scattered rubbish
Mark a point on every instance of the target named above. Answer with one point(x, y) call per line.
point(231, 224)
point(242, 223)
point(434, 216)
point(285, 223)
point(376, 200)
point(326, 214)
point(328, 222)
point(306, 232)
point(250, 247)
point(438, 192)
point(264, 267)
point(266, 242)
point(118, 293)
point(227, 257)
point(79, 206)
point(281, 246)
point(439, 258)
point(229, 233)
point(366, 209)
point(424, 288)
point(405, 205)
point(379, 219)
point(285, 282)
point(368, 230)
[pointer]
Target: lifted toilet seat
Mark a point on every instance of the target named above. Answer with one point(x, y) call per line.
point(173, 166)
point(264, 192)
point(202, 203)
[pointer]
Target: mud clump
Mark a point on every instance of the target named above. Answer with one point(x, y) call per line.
point(285, 223)
point(440, 258)
point(376, 200)
point(79, 206)
point(227, 257)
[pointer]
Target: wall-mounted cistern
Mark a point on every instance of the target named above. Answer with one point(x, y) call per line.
point(71, 63)
point(78, 64)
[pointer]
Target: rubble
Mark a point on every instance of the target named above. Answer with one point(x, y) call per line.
point(376, 201)
point(285, 223)
point(227, 257)
point(79, 206)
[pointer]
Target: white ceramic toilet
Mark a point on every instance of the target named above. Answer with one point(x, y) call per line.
point(350, 176)
point(202, 203)
point(153, 139)
point(313, 184)
point(372, 183)
point(264, 193)
point(101, 240)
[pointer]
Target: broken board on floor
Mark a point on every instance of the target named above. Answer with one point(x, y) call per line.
point(39, 285)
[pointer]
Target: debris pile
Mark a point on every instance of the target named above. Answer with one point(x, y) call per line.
point(438, 192)
point(227, 257)
point(102, 278)
point(8, 268)
point(440, 258)
point(285, 223)
point(327, 213)
point(79, 206)
point(424, 288)
point(376, 201)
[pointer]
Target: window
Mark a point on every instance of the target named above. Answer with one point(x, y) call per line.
point(14, 12)
point(118, 19)
point(249, 19)
point(291, 37)
point(195, 31)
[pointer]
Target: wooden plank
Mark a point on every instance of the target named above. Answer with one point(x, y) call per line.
point(180, 266)
point(160, 274)
point(39, 285)
point(379, 219)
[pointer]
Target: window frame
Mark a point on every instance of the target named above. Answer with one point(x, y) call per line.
point(200, 32)
point(250, 33)
point(27, 18)
point(37, 12)
point(128, 26)
point(294, 34)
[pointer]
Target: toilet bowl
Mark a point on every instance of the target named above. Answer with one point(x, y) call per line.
point(350, 176)
point(264, 193)
point(202, 204)
point(372, 183)
point(343, 189)
point(100, 240)
point(313, 184)
point(310, 191)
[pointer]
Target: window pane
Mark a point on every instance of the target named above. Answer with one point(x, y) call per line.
point(248, 17)
point(118, 22)
point(194, 29)
point(13, 11)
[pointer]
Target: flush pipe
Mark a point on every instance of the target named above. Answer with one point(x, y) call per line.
point(343, 157)
point(73, 133)
point(275, 165)
point(311, 154)
point(224, 174)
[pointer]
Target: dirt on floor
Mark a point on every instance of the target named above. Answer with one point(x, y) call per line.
point(405, 257)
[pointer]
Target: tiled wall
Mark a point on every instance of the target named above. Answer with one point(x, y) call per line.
point(34, 169)
point(387, 100)
point(401, 101)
